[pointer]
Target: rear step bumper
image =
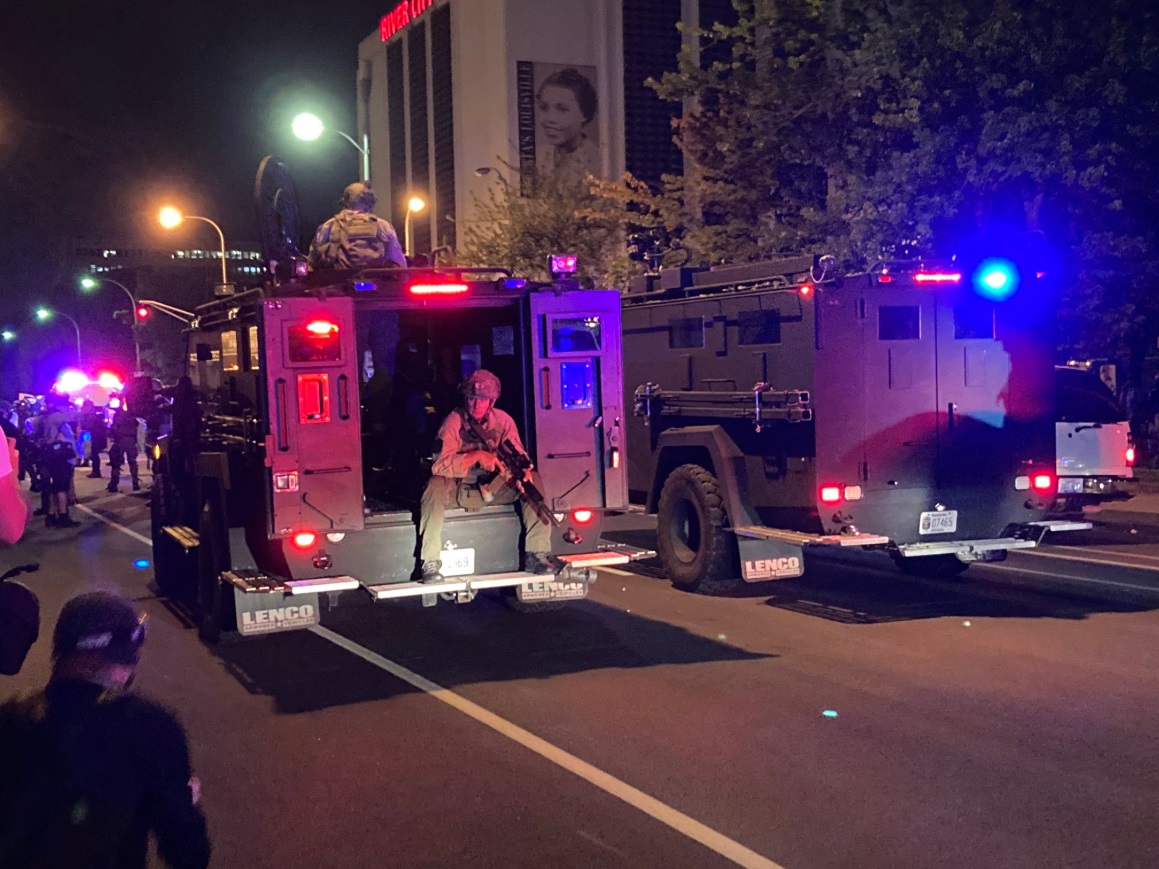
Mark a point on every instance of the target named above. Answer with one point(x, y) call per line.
point(1025, 535)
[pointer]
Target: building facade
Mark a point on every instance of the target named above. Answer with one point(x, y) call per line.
point(459, 95)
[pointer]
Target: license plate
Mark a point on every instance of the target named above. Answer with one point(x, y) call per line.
point(938, 522)
point(457, 562)
point(1070, 485)
point(551, 591)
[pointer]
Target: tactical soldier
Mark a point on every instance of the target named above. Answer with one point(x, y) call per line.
point(464, 463)
point(88, 770)
point(355, 237)
point(124, 447)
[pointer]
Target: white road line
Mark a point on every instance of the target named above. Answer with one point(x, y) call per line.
point(665, 814)
point(616, 571)
point(117, 525)
point(1151, 588)
point(1086, 560)
point(1098, 551)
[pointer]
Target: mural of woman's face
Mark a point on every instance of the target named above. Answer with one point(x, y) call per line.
point(559, 116)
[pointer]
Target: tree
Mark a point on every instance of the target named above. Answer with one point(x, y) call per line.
point(520, 232)
point(856, 129)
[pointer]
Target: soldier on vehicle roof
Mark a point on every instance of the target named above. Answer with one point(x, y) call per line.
point(355, 237)
point(463, 464)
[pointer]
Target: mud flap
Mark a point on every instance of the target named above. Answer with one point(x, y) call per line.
point(762, 559)
point(274, 612)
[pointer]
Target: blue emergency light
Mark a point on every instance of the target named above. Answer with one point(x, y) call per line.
point(996, 279)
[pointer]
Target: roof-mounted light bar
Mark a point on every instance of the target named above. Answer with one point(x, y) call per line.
point(449, 289)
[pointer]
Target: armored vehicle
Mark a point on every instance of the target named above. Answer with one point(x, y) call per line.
point(300, 449)
point(780, 407)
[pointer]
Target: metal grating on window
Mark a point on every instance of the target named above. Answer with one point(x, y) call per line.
point(651, 43)
point(420, 160)
point(396, 121)
point(444, 125)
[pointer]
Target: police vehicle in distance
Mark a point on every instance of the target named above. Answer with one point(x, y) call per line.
point(780, 407)
point(297, 459)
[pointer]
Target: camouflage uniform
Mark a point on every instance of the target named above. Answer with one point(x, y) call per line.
point(355, 237)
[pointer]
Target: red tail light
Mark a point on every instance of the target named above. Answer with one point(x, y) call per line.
point(937, 278)
point(1129, 456)
point(806, 290)
point(1043, 482)
point(582, 517)
point(305, 539)
point(830, 494)
point(437, 289)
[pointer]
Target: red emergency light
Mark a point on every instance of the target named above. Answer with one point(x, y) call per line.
point(806, 290)
point(937, 278)
point(437, 289)
point(1043, 482)
point(830, 494)
point(322, 327)
point(582, 517)
point(1129, 456)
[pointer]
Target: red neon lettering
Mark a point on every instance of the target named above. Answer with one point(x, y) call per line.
point(400, 16)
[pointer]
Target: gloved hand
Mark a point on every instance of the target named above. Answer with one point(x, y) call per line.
point(486, 460)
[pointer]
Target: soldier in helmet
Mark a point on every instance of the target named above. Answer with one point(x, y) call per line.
point(463, 461)
point(354, 236)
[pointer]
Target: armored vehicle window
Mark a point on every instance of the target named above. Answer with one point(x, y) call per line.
point(899, 323)
point(575, 335)
point(974, 321)
point(229, 357)
point(254, 350)
point(759, 327)
point(686, 333)
point(1081, 396)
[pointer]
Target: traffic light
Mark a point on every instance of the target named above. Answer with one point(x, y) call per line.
point(143, 313)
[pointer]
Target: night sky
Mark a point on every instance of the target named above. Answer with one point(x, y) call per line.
point(109, 108)
point(186, 97)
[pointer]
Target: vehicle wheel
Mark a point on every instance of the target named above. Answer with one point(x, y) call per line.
point(212, 559)
point(932, 566)
point(697, 552)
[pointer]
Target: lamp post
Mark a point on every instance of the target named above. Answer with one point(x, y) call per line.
point(413, 205)
point(45, 314)
point(171, 218)
point(90, 283)
point(309, 127)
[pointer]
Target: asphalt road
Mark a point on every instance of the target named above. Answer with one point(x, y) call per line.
point(852, 718)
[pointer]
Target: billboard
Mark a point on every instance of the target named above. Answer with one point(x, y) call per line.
point(558, 110)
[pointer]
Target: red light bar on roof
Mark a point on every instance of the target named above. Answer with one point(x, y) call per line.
point(937, 277)
point(437, 289)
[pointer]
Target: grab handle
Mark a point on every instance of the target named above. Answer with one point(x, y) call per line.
point(545, 386)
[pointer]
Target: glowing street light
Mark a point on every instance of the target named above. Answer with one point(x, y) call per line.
point(170, 218)
point(8, 335)
point(414, 205)
point(90, 283)
point(309, 127)
point(45, 314)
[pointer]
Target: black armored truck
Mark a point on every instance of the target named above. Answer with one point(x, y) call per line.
point(302, 441)
point(780, 407)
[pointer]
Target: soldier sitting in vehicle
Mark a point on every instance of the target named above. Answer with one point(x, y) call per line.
point(355, 237)
point(464, 462)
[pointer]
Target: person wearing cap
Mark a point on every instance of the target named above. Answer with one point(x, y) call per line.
point(462, 464)
point(354, 236)
point(89, 770)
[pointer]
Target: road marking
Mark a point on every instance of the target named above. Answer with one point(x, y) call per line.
point(116, 525)
point(1150, 588)
point(1105, 561)
point(616, 571)
point(1098, 551)
point(665, 814)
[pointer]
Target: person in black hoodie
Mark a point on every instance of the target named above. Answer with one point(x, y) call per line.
point(89, 770)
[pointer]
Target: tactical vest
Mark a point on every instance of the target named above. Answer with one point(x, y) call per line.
point(355, 240)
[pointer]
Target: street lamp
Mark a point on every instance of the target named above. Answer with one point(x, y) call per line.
point(309, 127)
point(90, 283)
point(171, 218)
point(45, 314)
point(8, 335)
point(413, 205)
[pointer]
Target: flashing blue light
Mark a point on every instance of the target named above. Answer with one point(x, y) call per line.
point(996, 279)
point(141, 563)
point(364, 286)
point(514, 283)
point(830, 713)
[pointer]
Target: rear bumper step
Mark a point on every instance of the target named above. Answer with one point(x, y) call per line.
point(187, 537)
point(392, 590)
point(798, 538)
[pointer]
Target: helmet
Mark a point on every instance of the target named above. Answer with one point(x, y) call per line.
point(19, 625)
point(481, 384)
point(358, 195)
point(103, 623)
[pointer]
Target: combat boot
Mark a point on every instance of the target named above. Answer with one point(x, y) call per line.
point(540, 563)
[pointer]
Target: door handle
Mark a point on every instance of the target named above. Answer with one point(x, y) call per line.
point(280, 414)
point(343, 397)
point(545, 386)
point(950, 408)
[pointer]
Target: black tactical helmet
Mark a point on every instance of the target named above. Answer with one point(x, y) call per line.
point(359, 195)
point(102, 623)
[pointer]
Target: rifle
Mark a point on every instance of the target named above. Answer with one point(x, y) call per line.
point(513, 464)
